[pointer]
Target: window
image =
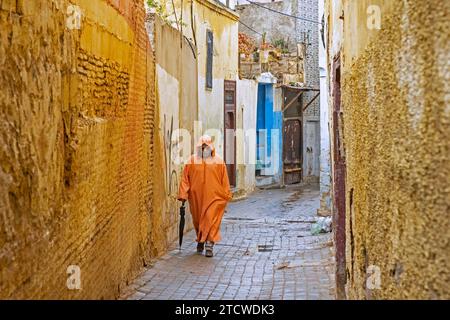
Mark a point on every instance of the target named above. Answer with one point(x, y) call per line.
point(209, 59)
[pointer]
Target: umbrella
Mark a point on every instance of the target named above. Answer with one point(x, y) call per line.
point(181, 228)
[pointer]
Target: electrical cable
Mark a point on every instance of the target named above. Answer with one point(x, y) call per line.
point(250, 28)
point(282, 13)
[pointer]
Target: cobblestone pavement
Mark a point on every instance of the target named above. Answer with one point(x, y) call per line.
point(267, 252)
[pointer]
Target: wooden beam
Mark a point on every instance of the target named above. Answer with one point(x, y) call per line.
point(293, 100)
point(312, 100)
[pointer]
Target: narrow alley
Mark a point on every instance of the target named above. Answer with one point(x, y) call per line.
point(267, 252)
point(311, 136)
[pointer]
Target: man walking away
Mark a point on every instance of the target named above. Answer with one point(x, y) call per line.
point(205, 185)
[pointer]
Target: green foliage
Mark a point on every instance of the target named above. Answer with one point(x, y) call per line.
point(281, 44)
point(161, 12)
point(154, 4)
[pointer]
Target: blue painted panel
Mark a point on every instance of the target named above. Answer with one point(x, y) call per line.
point(260, 115)
point(269, 148)
point(278, 125)
point(260, 124)
point(269, 116)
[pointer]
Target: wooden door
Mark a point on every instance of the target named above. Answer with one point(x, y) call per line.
point(230, 130)
point(292, 146)
point(292, 136)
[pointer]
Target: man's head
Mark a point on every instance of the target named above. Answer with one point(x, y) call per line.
point(206, 151)
point(205, 148)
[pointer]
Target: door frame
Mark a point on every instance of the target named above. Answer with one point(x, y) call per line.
point(230, 85)
point(339, 180)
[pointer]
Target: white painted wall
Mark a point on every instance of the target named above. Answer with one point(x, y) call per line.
point(312, 150)
point(247, 97)
point(337, 29)
point(231, 3)
point(325, 161)
point(225, 67)
point(211, 110)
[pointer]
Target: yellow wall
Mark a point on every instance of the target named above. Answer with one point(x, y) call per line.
point(176, 70)
point(76, 156)
point(397, 141)
point(224, 24)
point(207, 14)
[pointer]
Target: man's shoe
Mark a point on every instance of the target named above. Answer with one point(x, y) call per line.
point(209, 249)
point(200, 247)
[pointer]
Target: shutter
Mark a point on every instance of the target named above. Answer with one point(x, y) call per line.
point(209, 59)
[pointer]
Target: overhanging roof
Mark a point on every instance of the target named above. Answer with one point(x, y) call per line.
point(299, 88)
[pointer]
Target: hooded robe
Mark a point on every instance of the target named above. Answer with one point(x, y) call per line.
point(205, 185)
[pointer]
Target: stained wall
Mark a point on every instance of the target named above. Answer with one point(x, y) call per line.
point(76, 153)
point(396, 137)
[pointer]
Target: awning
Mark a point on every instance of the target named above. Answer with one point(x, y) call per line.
point(300, 90)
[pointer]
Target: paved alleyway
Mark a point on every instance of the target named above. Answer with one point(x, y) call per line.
point(267, 252)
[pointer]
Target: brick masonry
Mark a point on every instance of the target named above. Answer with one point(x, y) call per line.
point(77, 112)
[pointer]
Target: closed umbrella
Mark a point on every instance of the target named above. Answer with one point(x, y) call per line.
point(181, 227)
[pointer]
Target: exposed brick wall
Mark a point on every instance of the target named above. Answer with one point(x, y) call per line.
point(77, 114)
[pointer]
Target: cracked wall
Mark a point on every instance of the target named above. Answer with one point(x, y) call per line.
point(76, 130)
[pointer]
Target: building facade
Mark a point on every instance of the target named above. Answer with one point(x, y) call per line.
point(297, 32)
point(292, 26)
point(211, 28)
point(325, 157)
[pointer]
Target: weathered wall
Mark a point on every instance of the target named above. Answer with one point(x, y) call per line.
point(307, 32)
point(76, 126)
point(225, 64)
point(277, 139)
point(223, 22)
point(276, 26)
point(396, 134)
point(209, 15)
point(247, 95)
point(177, 100)
point(325, 157)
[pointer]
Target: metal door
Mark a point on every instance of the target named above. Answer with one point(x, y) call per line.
point(292, 146)
point(292, 136)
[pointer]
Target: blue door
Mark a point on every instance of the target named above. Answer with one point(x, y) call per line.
point(264, 125)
